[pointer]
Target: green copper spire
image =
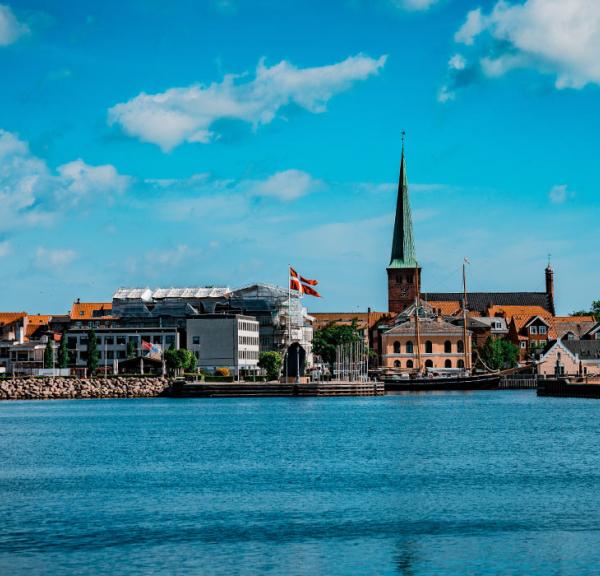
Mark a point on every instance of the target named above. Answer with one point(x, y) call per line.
point(403, 245)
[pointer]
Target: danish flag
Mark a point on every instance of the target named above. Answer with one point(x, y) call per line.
point(302, 285)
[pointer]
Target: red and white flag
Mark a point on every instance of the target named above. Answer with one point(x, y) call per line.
point(302, 285)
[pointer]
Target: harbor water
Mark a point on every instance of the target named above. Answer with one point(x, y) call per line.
point(436, 483)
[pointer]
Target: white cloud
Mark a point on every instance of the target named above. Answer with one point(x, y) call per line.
point(188, 114)
point(560, 194)
point(172, 257)
point(46, 258)
point(80, 180)
point(10, 28)
point(559, 37)
point(415, 4)
point(5, 248)
point(287, 185)
point(30, 192)
point(457, 62)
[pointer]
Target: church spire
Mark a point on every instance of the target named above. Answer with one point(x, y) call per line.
point(403, 245)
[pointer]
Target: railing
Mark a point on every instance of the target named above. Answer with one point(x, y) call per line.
point(518, 382)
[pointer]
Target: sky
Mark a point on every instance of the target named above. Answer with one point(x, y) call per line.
point(159, 143)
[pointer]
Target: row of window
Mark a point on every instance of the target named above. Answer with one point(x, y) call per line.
point(429, 364)
point(410, 348)
point(76, 341)
point(248, 340)
point(248, 354)
point(247, 326)
point(538, 329)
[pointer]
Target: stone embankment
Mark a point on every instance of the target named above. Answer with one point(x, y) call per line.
point(57, 388)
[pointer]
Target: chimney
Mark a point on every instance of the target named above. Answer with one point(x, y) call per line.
point(550, 286)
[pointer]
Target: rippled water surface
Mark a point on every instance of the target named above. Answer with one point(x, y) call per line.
point(482, 483)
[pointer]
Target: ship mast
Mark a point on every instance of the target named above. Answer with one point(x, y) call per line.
point(417, 331)
point(464, 307)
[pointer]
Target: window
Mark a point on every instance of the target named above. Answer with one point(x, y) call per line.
point(120, 354)
point(196, 340)
point(71, 342)
point(120, 340)
point(428, 363)
point(542, 329)
point(448, 364)
point(157, 339)
point(409, 347)
point(109, 341)
point(460, 346)
point(533, 330)
point(523, 344)
point(428, 347)
point(570, 336)
point(461, 363)
point(397, 364)
point(447, 347)
point(169, 340)
point(409, 364)
point(396, 347)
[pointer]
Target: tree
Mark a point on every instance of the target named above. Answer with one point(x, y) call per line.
point(497, 353)
point(180, 360)
point(131, 349)
point(93, 357)
point(326, 339)
point(270, 362)
point(594, 311)
point(49, 355)
point(63, 352)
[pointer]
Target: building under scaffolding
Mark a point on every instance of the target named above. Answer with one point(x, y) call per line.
point(282, 318)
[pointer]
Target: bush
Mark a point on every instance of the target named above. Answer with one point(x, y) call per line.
point(218, 379)
point(222, 372)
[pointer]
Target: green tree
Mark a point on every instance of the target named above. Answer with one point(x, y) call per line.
point(63, 352)
point(131, 349)
point(270, 362)
point(180, 360)
point(49, 355)
point(497, 353)
point(326, 339)
point(594, 311)
point(93, 356)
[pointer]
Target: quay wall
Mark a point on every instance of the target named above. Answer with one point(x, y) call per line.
point(61, 388)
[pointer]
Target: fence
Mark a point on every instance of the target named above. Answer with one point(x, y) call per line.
point(518, 381)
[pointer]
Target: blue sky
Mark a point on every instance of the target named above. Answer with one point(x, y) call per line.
point(149, 143)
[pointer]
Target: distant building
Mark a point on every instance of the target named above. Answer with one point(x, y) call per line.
point(570, 358)
point(440, 344)
point(224, 341)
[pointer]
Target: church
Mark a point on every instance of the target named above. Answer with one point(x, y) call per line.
point(426, 330)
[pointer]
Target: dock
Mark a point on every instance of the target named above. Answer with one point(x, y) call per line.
point(564, 388)
point(181, 389)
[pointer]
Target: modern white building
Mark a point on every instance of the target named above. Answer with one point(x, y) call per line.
point(224, 341)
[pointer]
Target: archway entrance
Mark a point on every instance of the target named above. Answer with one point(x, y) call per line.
point(294, 363)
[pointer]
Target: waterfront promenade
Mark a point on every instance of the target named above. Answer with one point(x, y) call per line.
point(441, 483)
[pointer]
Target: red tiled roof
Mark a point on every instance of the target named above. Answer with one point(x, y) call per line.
point(10, 317)
point(85, 310)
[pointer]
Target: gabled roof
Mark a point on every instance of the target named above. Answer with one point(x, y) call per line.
point(481, 301)
point(585, 349)
point(91, 310)
point(578, 328)
point(10, 317)
point(536, 317)
point(427, 327)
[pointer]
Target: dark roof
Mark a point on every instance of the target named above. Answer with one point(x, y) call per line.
point(587, 349)
point(480, 301)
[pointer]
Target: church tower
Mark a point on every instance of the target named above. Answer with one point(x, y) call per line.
point(404, 274)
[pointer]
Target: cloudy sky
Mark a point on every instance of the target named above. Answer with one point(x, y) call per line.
point(151, 142)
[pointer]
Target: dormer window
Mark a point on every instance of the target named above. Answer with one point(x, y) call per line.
point(542, 329)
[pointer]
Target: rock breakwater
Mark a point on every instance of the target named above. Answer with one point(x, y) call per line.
point(60, 388)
